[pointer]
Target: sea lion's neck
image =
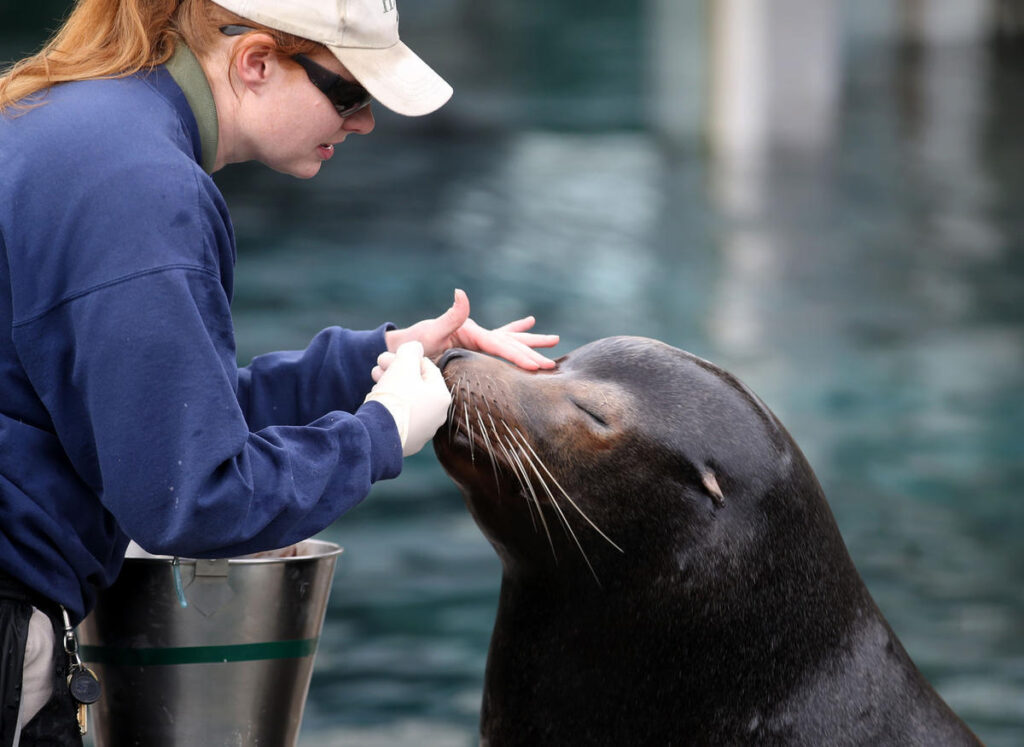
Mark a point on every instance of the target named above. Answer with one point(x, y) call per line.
point(677, 654)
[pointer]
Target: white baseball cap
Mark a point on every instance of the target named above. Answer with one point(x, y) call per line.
point(363, 35)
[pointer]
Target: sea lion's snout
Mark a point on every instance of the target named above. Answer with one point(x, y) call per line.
point(449, 355)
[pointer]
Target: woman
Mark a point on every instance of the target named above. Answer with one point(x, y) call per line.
point(123, 413)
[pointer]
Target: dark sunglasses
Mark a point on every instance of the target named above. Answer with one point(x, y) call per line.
point(347, 96)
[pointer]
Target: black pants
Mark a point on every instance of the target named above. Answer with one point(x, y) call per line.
point(56, 724)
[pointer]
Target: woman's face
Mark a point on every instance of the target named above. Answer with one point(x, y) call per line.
point(295, 128)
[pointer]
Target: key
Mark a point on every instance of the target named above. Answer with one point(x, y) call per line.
point(85, 690)
point(83, 683)
point(83, 718)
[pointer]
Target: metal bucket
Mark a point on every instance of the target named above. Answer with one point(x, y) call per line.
point(230, 668)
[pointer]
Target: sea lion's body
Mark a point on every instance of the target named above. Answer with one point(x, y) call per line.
point(672, 574)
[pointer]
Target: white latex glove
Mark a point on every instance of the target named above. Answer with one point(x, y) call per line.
point(413, 391)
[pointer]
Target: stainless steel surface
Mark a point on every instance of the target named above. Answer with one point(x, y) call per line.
point(231, 668)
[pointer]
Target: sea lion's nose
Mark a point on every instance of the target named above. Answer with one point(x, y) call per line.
point(450, 355)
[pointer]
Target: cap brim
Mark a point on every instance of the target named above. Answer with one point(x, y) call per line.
point(396, 77)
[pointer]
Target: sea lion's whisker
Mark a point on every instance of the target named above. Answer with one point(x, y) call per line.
point(532, 504)
point(452, 420)
point(510, 461)
point(469, 431)
point(540, 511)
point(494, 427)
point(532, 501)
point(527, 461)
point(567, 496)
point(508, 457)
point(487, 444)
point(451, 405)
point(514, 441)
point(558, 509)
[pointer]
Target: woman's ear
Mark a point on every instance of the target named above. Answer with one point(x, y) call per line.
point(255, 60)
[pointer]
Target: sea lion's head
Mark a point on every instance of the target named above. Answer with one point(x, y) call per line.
point(628, 452)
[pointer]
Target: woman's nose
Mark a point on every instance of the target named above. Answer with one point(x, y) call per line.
point(361, 122)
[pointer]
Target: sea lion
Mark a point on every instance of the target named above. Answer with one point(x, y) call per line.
point(672, 573)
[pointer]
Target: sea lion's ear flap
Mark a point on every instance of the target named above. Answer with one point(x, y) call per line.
point(711, 485)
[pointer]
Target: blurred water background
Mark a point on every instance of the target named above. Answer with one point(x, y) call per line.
point(823, 196)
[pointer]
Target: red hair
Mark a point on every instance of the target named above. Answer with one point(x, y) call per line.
point(116, 38)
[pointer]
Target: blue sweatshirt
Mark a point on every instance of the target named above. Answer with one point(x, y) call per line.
point(123, 413)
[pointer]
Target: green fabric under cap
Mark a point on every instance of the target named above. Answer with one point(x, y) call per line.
point(188, 74)
point(121, 656)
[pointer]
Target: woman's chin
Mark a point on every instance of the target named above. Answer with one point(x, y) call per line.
point(305, 170)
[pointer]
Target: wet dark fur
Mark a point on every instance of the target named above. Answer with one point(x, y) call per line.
point(717, 612)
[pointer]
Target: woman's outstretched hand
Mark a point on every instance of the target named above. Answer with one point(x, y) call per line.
point(454, 329)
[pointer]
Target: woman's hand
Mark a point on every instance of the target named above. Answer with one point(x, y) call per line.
point(454, 329)
point(412, 389)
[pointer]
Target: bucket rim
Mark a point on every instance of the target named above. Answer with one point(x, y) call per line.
point(320, 549)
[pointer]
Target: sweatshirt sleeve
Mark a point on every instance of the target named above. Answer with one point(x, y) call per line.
point(140, 379)
point(296, 387)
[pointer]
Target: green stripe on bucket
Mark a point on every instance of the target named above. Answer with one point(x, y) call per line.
point(198, 654)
